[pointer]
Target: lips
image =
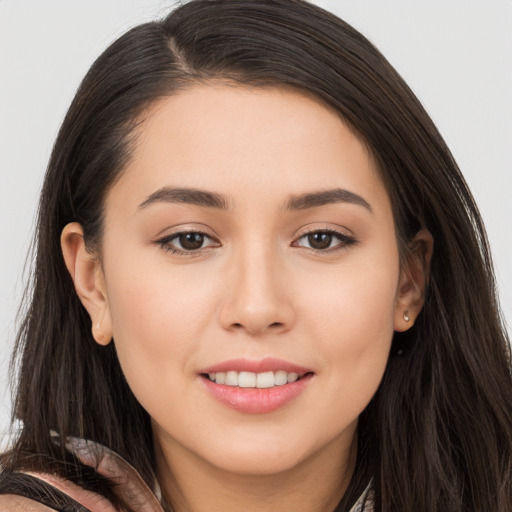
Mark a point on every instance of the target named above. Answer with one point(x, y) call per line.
point(269, 364)
point(255, 387)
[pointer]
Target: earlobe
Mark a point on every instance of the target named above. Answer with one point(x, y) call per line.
point(85, 270)
point(413, 281)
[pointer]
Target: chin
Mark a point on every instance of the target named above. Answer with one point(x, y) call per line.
point(257, 463)
point(262, 453)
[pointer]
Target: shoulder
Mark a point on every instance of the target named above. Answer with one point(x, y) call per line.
point(19, 490)
point(12, 503)
point(29, 489)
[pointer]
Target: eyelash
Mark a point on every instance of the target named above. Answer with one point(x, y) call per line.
point(344, 242)
point(164, 243)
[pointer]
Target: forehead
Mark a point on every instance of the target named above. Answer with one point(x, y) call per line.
point(237, 139)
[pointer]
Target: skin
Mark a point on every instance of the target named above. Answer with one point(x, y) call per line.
point(255, 289)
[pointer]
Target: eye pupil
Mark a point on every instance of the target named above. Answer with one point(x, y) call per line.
point(191, 241)
point(320, 240)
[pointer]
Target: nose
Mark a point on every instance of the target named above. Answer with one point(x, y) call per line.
point(257, 300)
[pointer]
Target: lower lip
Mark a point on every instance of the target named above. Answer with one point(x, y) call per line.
point(255, 400)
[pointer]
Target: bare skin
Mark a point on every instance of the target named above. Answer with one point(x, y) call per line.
point(253, 493)
point(250, 224)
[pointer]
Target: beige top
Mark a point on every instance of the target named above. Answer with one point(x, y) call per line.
point(129, 485)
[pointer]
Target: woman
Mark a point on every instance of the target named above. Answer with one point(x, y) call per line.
point(261, 284)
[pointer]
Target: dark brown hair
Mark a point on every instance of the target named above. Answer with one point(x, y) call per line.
point(437, 436)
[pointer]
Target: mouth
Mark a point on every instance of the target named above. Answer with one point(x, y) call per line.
point(263, 380)
point(255, 387)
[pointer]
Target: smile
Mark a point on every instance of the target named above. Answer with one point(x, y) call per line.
point(254, 380)
point(256, 387)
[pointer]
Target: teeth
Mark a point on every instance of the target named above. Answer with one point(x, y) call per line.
point(292, 377)
point(231, 379)
point(280, 378)
point(265, 380)
point(247, 380)
point(254, 380)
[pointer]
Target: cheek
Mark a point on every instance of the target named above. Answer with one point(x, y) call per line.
point(157, 330)
point(356, 299)
point(158, 317)
point(355, 328)
point(351, 321)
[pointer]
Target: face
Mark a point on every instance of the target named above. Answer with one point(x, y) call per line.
point(250, 277)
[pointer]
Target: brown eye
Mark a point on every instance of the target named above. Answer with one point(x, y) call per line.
point(320, 240)
point(325, 240)
point(191, 241)
point(187, 242)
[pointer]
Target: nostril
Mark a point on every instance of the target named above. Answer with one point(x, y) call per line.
point(272, 326)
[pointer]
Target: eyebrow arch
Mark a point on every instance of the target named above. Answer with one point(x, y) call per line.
point(186, 196)
point(315, 199)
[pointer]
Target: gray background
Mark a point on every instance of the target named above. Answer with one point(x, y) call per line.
point(455, 54)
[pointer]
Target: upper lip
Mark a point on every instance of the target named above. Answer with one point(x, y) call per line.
point(269, 364)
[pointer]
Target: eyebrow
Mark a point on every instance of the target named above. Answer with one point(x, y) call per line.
point(213, 200)
point(186, 196)
point(315, 199)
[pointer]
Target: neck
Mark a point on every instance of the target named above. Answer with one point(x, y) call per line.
point(191, 484)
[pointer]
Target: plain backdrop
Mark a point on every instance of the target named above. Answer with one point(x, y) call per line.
point(455, 54)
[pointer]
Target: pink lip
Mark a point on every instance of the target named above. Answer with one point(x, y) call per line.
point(269, 364)
point(253, 400)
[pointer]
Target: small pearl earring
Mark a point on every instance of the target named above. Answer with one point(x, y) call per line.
point(407, 318)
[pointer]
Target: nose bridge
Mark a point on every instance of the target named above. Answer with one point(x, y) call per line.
point(256, 301)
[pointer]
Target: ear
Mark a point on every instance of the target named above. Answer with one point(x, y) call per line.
point(413, 280)
point(87, 275)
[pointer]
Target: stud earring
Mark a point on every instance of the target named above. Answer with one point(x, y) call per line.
point(407, 318)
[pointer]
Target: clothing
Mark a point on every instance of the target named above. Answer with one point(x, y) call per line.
point(48, 491)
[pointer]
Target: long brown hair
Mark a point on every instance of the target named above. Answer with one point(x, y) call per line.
point(437, 436)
